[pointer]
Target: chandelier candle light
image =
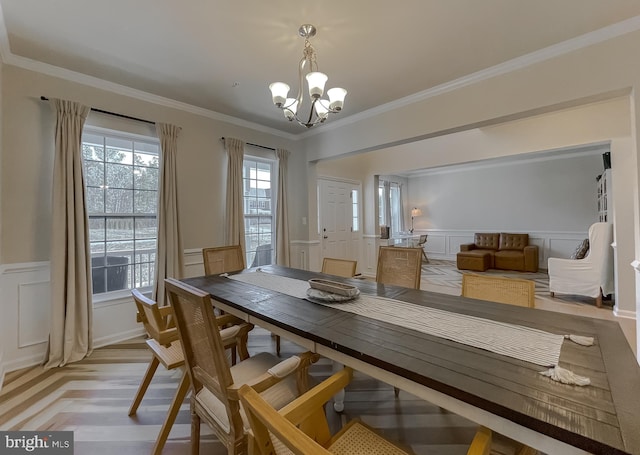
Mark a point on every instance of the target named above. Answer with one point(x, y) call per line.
point(320, 108)
point(414, 213)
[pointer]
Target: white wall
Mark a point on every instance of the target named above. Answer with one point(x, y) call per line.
point(532, 195)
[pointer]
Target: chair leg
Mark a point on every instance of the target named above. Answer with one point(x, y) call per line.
point(195, 430)
point(146, 380)
point(396, 391)
point(278, 344)
point(599, 299)
point(426, 259)
point(233, 355)
point(183, 388)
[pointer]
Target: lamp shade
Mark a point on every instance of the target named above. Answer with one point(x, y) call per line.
point(290, 108)
point(416, 212)
point(321, 109)
point(279, 91)
point(316, 81)
point(336, 98)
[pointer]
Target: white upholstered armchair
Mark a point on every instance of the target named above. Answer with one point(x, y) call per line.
point(591, 276)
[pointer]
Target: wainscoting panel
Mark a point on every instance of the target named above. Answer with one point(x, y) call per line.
point(34, 310)
point(25, 307)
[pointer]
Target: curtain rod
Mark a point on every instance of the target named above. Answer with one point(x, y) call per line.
point(44, 98)
point(255, 145)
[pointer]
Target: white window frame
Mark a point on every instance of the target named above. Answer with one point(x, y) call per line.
point(117, 295)
point(250, 251)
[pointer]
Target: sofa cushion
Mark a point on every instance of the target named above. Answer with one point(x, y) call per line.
point(513, 241)
point(581, 250)
point(487, 241)
point(508, 260)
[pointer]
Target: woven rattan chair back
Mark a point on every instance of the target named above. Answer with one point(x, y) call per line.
point(339, 267)
point(512, 291)
point(203, 348)
point(399, 266)
point(222, 259)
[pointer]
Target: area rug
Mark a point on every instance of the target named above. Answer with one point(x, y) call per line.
point(445, 273)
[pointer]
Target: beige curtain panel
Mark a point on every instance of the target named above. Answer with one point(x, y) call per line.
point(71, 337)
point(282, 217)
point(234, 233)
point(169, 257)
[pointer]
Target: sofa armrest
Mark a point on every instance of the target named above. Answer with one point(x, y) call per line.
point(531, 258)
point(467, 246)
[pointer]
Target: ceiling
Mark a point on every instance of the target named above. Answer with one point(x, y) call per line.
point(222, 55)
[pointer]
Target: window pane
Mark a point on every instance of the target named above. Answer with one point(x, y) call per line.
point(119, 176)
point(119, 201)
point(95, 200)
point(145, 201)
point(145, 178)
point(96, 229)
point(119, 150)
point(120, 229)
point(92, 147)
point(146, 228)
point(97, 248)
point(94, 173)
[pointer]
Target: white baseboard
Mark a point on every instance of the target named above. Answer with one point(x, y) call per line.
point(118, 337)
point(623, 313)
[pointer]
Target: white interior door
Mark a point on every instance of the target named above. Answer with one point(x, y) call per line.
point(336, 210)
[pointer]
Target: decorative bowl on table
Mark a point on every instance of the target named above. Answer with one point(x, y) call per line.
point(331, 291)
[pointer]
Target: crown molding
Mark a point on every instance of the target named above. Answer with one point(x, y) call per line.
point(565, 47)
point(523, 61)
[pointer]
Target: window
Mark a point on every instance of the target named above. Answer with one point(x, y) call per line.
point(355, 225)
point(394, 204)
point(121, 177)
point(258, 183)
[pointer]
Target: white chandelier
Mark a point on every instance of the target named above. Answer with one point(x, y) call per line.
point(320, 108)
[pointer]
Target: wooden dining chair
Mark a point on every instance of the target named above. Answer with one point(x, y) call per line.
point(215, 384)
point(512, 291)
point(222, 259)
point(166, 348)
point(301, 426)
point(339, 267)
point(399, 266)
point(421, 242)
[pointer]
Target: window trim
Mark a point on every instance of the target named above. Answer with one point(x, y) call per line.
point(105, 299)
point(273, 163)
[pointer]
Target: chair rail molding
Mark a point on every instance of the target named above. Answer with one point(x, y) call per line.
point(25, 305)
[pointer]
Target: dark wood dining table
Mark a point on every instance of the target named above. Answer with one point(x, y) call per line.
point(505, 394)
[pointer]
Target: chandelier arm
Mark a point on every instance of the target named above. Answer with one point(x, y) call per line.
point(313, 104)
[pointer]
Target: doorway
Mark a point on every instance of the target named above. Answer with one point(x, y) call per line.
point(339, 217)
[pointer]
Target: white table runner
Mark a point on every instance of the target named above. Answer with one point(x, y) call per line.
point(519, 342)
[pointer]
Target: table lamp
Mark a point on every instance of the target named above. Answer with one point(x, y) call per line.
point(414, 213)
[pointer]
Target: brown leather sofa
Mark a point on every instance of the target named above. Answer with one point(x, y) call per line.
point(498, 251)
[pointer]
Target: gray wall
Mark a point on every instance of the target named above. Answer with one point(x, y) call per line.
point(534, 195)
